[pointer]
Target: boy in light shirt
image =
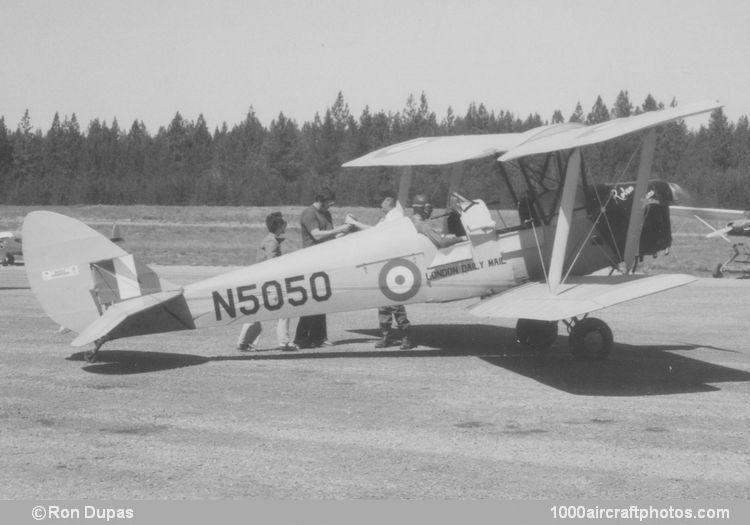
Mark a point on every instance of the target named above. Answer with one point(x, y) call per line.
point(269, 248)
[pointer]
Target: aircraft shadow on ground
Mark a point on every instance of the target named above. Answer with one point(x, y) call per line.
point(123, 362)
point(629, 371)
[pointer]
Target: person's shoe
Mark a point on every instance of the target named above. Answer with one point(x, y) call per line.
point(326, 343)
point(406, 344)
point(289, 347)
point(247, 347)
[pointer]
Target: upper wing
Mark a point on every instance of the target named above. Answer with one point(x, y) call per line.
point(576, 297)
point(425, 151)
point(439, 150)
point(585, 136)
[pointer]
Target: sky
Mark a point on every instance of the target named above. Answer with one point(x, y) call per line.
point(148, 60)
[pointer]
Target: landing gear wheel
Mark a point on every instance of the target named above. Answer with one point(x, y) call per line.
point(9, 260)
point(536, 335)
point(718, 273)
point(590, 340)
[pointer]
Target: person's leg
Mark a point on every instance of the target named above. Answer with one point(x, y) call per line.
point(282, 332)
point(303, 333)
point(319, 330)
point(249, 336)
point(282, 336)
point(404, 325)
point(384, 323)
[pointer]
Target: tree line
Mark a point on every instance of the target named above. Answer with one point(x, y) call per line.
point(284, 163)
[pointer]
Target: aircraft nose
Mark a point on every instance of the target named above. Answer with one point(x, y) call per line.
point(680, 196)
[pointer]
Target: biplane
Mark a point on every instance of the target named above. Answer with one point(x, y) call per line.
point(737, 224)
point(545, 270)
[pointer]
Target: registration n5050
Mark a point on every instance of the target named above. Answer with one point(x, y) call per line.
point(272, 295)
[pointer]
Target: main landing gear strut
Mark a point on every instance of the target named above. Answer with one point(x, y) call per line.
point(92, 356)
point(589, 339)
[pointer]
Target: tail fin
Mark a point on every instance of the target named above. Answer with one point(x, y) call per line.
point(77, 273)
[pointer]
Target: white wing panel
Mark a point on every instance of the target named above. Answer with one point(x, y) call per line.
point(439, 150)
point(585, 136)
point(576, 297)
point(709, 214)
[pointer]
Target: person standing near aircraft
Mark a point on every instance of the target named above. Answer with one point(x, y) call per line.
point(391, 210)
point(316, 226)
point(269, 248)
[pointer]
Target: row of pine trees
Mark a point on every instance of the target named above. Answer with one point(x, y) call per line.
point(284, 163)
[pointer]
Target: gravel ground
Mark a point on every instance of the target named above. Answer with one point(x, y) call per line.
point(466, 415)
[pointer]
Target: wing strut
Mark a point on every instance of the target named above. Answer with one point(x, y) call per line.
point(633, 239)
point(403, 186)
point(564, 219)
point(455, 184)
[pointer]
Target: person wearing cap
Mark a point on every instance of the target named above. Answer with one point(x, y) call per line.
point(422, 210)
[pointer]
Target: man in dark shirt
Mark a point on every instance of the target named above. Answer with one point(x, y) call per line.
point(316, 226)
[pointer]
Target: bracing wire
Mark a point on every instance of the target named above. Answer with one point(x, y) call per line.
point(602, 207)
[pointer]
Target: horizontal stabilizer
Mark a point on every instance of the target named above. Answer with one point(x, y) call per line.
point(575, 297)
point(147, 314)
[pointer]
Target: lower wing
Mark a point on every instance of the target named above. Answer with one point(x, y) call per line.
point(576, 297)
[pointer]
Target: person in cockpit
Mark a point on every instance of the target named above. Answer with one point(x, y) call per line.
point(422, 210)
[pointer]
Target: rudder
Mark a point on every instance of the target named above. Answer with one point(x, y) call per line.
point(76, 273)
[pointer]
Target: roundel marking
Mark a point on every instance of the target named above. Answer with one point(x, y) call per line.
point(399, 280)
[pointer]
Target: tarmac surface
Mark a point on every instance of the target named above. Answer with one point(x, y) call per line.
point(465, 415)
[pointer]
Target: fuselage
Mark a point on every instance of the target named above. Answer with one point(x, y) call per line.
point(388, 264)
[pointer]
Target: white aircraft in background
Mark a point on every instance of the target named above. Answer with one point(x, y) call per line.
point(538, 272)
point(737, 225)
point(10, 247)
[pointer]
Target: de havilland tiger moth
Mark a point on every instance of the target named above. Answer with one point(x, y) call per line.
point(546, 270)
